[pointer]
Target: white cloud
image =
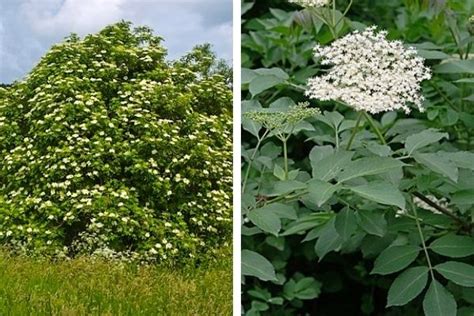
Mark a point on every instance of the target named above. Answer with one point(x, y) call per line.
point(51, 17)
point(32, 26)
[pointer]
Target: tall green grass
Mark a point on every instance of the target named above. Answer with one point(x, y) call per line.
point(91, 287)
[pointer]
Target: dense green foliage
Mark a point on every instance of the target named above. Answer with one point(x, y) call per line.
point(373, 217)
point(82, 286)
point(108, 149)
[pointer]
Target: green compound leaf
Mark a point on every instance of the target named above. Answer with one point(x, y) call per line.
point(407, 286)
point(438, 301)
point(380, 192)
point(368, 166)
point(395, 258)
point(457, 272)
point(453, 246)
point(254, 264)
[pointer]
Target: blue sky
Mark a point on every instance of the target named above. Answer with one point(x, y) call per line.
point(28, 28)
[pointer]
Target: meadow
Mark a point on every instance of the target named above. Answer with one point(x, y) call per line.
point(96, 287)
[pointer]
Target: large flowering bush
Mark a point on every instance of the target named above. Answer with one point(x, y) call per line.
point(108, 149)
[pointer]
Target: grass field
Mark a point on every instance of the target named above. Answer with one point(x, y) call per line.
point(85, 287)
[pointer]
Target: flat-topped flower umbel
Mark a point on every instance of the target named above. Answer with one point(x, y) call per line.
point(370, 73)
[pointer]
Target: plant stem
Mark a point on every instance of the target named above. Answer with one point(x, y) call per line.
point(422, 238)
point(247, 172)
point(334, 13)
point(287, 197)
point(354, 130)
point(375, 128)
point(466, 56)
point(285, 156)
point(456, 41)
point(441, 93)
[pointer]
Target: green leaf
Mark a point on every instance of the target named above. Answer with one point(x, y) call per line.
point(265, 220)
point(372, 222)
point(254, 264)
point(465, 80)
point(262, 83)
point(380, 192)
point(346, 223)
point(320, 191)
point(453, 246)
point(368, 166)
point(279, 172)
point(457, 272)
point(307, 289)
point(305, 223)
point(408, 285)
point(277, 72)
point(246, 6)
point(281, 210)
point(251, 126)
point(462, 159)
point(330, 166)
point(318, 153)
point(432, 54)
point(247, 75)
point(379, 150)
point(422, 139)
point(438, 301)
point(395, 258)
point(333, 119)
point(438, 164)
point(455, 67)
point(282, 103)
point(287, 186)
point(328, 240)
point(462, 197)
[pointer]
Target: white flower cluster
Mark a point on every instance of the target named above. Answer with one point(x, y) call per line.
point(370, 73)
point(311, 3)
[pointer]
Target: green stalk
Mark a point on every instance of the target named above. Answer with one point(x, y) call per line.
point(344, 14)
point(354, 130)
point(247, 172)
point(334, 13)
point(285, 156)
point(422, 238)
point(375, 128)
